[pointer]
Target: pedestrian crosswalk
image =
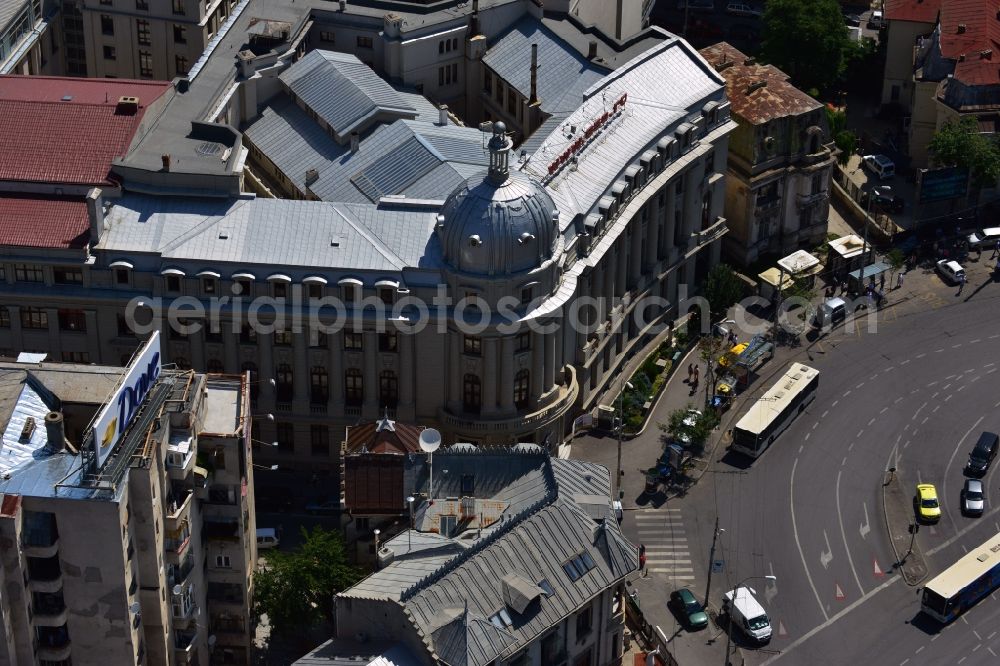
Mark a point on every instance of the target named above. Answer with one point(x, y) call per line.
point(662, 532)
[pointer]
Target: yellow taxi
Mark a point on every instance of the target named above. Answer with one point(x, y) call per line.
point(928, 507)
point(733, 354)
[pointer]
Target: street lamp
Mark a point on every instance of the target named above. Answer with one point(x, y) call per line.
point(409, 533)
point(621, 426)
point(729, 623)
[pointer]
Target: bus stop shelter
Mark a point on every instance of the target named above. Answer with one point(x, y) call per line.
point(856, 280)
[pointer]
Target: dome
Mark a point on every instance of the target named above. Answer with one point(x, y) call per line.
point(498, 223)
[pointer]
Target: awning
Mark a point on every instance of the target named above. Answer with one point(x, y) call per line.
point(121, 264)
point(387, 283)
point(278, 277)
point(314, 279)
point(244, 276)
point(349, 280)
point(211, 274)
point(173, 271)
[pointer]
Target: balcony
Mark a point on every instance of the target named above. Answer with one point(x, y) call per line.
point(519, 422)
point(177, 545)
point(766, 206)
point(178, 507)
point(40, 537)
point(712, 232)
point(49, 610)
point(44, 575)
point(224, 623)
point(221, 529)
point(184, 646)
point(180, 454)
point(805, 200)
point(53, 643)
point(225, 593)
point(177, 573)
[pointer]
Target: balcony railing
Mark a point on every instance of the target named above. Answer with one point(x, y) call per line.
point(809, 199)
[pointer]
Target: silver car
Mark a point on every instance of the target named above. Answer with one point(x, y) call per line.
point(973, 499)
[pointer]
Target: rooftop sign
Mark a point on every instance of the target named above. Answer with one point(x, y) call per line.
point(116, 415)
point(587, 134)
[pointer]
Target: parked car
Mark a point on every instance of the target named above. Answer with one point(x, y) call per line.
point(880, 165)
point(926, 501)
point(982, 454)
point(853, 20)
point(742, 9)
point(984, 238)
point(890, 202)
point(690, 420)
point(689, 608)
point(951, 270)
point(973, 499)
point(707, 6)
point(324, 506)
point(875, 20)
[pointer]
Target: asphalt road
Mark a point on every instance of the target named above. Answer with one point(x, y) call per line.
point(914, 395)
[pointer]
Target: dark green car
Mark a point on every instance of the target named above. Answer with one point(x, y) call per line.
point(684, 601)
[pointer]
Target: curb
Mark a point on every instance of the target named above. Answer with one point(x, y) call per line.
point(909, 580)
point(663, 391)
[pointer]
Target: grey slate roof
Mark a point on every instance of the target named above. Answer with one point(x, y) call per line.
point(451, 608)
point(344, 92)
point(563, 74)
point(258, 234)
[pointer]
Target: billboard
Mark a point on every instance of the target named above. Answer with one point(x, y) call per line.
point(943, 184)
point(114, 418)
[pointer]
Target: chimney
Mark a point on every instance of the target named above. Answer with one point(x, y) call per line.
point(443, 115)
point(591, 49)
point(474, 19)
point(55, 433)
point(312, 175)
point(95, 213)
point(343, 5)
point(355, 142)
point(533, 100)
point(166, 162)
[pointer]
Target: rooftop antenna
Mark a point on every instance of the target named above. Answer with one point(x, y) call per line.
point(430, 441)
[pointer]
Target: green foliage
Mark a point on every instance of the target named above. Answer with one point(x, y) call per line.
point(896, 258)
point(807, 39)
point(722, 289)
point(961, 144)
point(296, 588)
point(836, 119)
point(846, 142)
point(696, 433)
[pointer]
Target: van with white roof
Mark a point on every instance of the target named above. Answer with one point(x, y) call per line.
point(746, 612)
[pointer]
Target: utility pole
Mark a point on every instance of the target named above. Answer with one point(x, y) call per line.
point(620, 426)
point(711, 560)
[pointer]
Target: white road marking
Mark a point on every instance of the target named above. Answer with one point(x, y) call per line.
point(847, 393)
point(834, 403)
point(850, 446)
point(950, 396)
point(798, 544)
point(919, 649)
point(847, 609)
point(972, 342)
point(859, 385)
point(771, 591)
point(904, 662)
point(826, 556)
point(884, 410)
point(844, 461)
point(825, 413)
point(925, 420)
point(976, 634)
point(866, 527)
point(921, 355)
point(807, 436)
point(843, 535)
point(936, 407)
point(898, 400)
point(800, 447)
point(990, 650)
point(862, 431)
point(904, 362)
point(947, 505)
point(990, 637)
point(977, 647)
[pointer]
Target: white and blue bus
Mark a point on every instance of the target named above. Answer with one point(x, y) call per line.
point(958, 588)
point(775, 410)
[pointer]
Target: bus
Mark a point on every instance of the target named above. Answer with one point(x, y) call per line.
point(958, 588)
point(775, 410)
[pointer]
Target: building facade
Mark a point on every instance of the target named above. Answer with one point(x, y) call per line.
point(780, 162)
point(146, 559)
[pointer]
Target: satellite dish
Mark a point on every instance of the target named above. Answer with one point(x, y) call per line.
point(177, 590)
point(211, 641)
point(430, 440)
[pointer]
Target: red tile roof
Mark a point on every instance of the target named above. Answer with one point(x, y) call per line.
point(49, 223)
point(970, 35)
point(918, 11)
point(757, 93)
point(59, 130)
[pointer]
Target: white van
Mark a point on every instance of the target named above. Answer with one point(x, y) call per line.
point(747, 613)
point(267, 538)
point(830, 313)
point(984, 238)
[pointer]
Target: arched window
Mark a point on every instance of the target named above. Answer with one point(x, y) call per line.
point(251, 367)
point(319, 386)
point(354, 387)
point(472, 394)
point(388, 389)
point(522, 384)
point(215, 365)
point(283, 382)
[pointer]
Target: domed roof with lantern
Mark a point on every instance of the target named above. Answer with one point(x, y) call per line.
point(501, 223)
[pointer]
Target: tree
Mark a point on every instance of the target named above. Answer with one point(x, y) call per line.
point(960, 144)
point(693, 431)
point(845, 139)
point(296, 588)
point(722, 289)
point(711, 348)
point(807, 39)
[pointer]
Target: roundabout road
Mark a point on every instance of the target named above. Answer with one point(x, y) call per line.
point(914, 395)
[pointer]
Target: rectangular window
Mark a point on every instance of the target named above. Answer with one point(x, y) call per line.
point(222, 561)
point(319, 440)
point(584, 622)
point(326, 36)
point(75, 357)
point(107, 25)
point(4, 317)
point(26, 273)
point(145, 63)
point(173, 283)
point(353, 340)
point(72, 320)
point(472, 345)
point(388, 341)
point(318, 339)
point(208, 284)
point(142, 5)
point(67, 275)
point(364, 42)
point(279, 289)
point(35, 318)
point(282, 338)
point(523, 342)
point(499, 96)
point(121, 276)
point(468, 485)
point(315, 290)
point(110, 53)
point(285, 437)
point(178, 6)
point(526, 294)
point(181, 65)
point(142, 32)
point(180, 34)
point(454, 73)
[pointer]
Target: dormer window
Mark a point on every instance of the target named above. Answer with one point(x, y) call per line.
point(350, 289)
point(279, 285)
point(173, 283)
point(386, 290)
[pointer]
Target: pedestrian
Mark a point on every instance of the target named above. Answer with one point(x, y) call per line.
point(696, 373)
point(996, 250)
point(961, 284)
point(899, 280)
point(690, 372)
point(881, 282)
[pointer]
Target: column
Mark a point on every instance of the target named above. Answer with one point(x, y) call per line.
point(654, 220)
point(370, 408)
point(453, 364)
point(635, 254)
point(266, 371)
point(550, 360)
point(560, 336)
point(579, 335)
point(670, 218)
point(336, 354)
point(507, 374)
point(488, 379)
point(406, 361)
point(609, 267)
point(230, 348)
point(93, 336)
point(537, 365)
point(196, 345)
point(53, 332)
point(300, 368)
point(622, 267)
point(16, 336)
